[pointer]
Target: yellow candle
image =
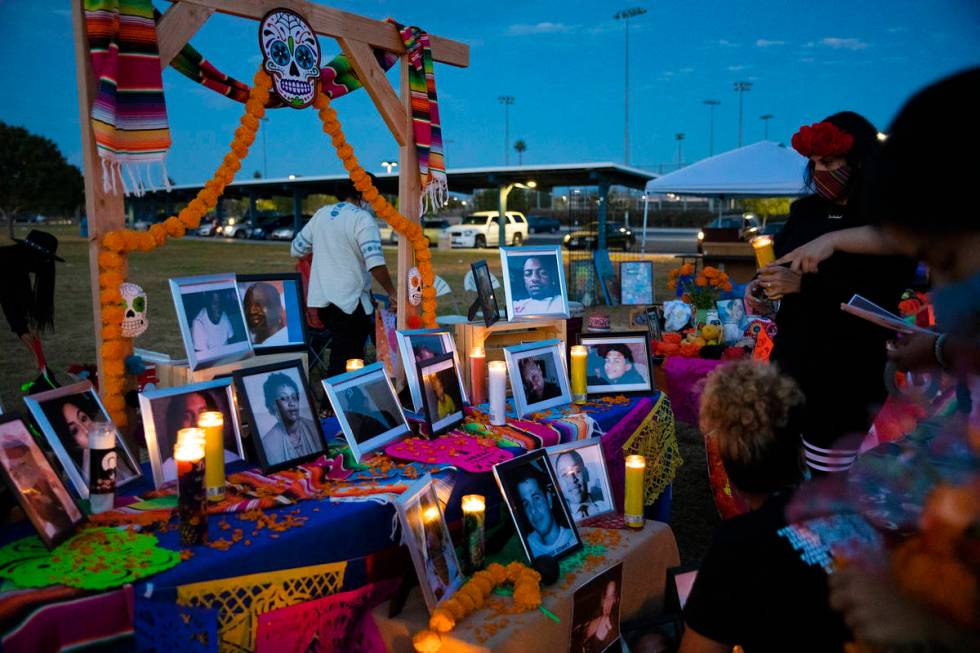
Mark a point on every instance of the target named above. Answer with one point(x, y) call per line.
point(633, 507)
point(579, 356)
point(474, 517)
point(354, 364)
point(764, 253)
point(478, 376)
point(213, 424)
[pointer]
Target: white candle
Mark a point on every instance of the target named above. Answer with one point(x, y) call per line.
point(498, 392)
point(102, 467)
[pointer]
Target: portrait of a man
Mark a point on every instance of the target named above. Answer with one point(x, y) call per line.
point(265, 315)
point(212, 324)
point(211, 327)
point(596, 612)
point(617, 362)
point(583, 481)
point(538, 377)
point(534, 282)
point(618, 366)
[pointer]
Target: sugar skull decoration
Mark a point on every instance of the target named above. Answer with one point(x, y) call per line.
point(414, 286)
point(291, 54)
point(134, 321)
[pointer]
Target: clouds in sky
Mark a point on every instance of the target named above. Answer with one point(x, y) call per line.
point(838, 43)
point(767, 43)
point(524, 29)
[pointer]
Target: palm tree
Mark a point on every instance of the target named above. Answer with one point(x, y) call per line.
point(521, 147)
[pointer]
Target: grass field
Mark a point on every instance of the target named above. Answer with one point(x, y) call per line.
point(72, 340)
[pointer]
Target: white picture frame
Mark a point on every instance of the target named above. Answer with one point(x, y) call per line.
point(409, 344)
point(547, 278)
point(374, 392)
point(162, 416)
point(198, 330)
point(555, 389)
point(588, 486)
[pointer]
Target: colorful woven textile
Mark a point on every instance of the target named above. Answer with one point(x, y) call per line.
point(129, 116)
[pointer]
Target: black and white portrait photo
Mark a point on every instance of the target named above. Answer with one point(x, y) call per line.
point(367, 408)
point(211, 320)
point(582, 477)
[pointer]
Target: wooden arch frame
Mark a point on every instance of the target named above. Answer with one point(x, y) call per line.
point(357, 36)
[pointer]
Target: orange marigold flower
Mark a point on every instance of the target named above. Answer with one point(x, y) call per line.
point(249, 121)
point(112, 332)
point(441, 620)
point(676, 272)
point(112, 314)
point(700, 281)
point(672, 285)
point(159, 234)
point(687, 269)
point(686, 298)
point(175, 228)
point(454, 608)
point(321, 101)
point(498, 571)
point(254, 107)
point(114, 402)
point(727, 287)
point(710, 272)
point(426, 641)
point(113, 367)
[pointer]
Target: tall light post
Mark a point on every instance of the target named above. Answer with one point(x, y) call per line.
point(625, 16)
point(741, 88)
point(711, 125)
point(506, 100)
point(765, 118)
point(679, 136)
point(388, 165)
point(265, 159)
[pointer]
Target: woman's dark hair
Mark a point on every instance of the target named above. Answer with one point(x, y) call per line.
point(861, 156)
point(40, 312)
point(178, 404)
point(53, 410)
point(273, 383)
point(916, 183)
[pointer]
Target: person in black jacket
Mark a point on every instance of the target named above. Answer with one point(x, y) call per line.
point(837, 359)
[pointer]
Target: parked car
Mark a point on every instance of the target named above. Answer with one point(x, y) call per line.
point(618, 236)
point(208, 228)
point(234, 228)
point(729, 229)
point(267, 224)
point(538, 224)
point(433, 228)
point(483, 228)
point(283, 233)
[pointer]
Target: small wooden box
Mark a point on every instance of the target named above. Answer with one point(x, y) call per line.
point(173, 373)
point(494, 338)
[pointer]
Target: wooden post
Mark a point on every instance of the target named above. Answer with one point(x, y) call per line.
point(105, 211)
point(409, 195)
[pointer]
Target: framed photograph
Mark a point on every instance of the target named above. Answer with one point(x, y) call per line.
point(582, 280)
point(212, 323)
point(638, 317)
point(367, 408)
point(537, 507)
point(442, 392)
point(595, 612)
point(538, 376)
point(484, 291)
point(731, 311)
point(277, 402)
point(606, 276)
point(583, 478)
point(420, 345)
point(617, 362)
point(274, 311)
point(636, 283)
point(655, 316)
point(534, 282)
point(425, 533)
point(65, 416)
point(167, 410)
point(33, 481)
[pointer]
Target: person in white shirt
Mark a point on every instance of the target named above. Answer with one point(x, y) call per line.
point(211, 328)
point(537, 502)
point(265, 316)
point(346, 247)
point(541, 283)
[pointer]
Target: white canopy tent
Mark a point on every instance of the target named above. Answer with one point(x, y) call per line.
point(763, 169)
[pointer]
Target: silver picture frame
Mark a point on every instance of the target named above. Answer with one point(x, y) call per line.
point(184, 291)
point(522, 308)
point(555, 374)
point(406, 350)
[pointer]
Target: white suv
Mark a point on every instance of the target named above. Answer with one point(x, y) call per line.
point(483, 228)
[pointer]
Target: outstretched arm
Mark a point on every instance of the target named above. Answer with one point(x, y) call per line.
point(857, 240)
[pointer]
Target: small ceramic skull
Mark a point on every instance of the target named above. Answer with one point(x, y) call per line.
point(291, 55)
point(414, 286)
point(134, 321)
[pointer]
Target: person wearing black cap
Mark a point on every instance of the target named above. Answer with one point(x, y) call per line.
point(29, 305)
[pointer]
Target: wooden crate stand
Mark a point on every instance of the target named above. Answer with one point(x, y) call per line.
point(494, 338)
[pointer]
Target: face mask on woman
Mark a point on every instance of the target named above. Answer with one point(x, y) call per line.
point(832, 185)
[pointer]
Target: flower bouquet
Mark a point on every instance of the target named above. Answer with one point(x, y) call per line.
point(699, 290)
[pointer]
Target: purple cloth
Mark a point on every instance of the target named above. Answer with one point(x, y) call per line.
point(685, 381)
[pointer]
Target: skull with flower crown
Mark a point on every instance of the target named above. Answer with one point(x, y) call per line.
point(291, 54)
point(134, 321)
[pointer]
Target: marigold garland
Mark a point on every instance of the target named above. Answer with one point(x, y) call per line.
point(472, 596)
point(115, 245)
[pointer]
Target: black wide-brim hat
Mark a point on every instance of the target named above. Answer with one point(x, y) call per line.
point(43, 243)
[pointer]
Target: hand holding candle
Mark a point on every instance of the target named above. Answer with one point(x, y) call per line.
point(579, 386)
point(633, 505)
point(213, 424)
point(474, 517)
point(191, 497)
point(478, 376)
point(498, 393)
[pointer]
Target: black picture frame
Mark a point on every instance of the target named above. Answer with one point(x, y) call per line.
point(484, 291)
point(590, 340)
point(245, 394)
point(424, 370)
point(509, 477)
point(14, 432)
point(298, 314)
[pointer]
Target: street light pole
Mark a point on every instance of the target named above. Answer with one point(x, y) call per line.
point(680, 151)
point(506, 100)
point(765, 121)
point(740, 88)
point(625, 15)
point(711, 125)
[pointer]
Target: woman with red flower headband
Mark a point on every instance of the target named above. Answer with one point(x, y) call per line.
point(837, 360)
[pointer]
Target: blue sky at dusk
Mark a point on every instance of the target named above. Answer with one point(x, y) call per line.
point(563, 63)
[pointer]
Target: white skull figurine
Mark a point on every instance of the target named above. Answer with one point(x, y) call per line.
point(291, 55)
point(134, 321)
point(414, 286)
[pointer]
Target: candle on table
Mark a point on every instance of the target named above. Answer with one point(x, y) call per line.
point(478, 376)
point(474, 518)
point(633, 506)
point(498, 392)
point(579, 386)
point(102, 468)
point(191, 497)
point(354, 364)
point(213, 423)
point(764, 253)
